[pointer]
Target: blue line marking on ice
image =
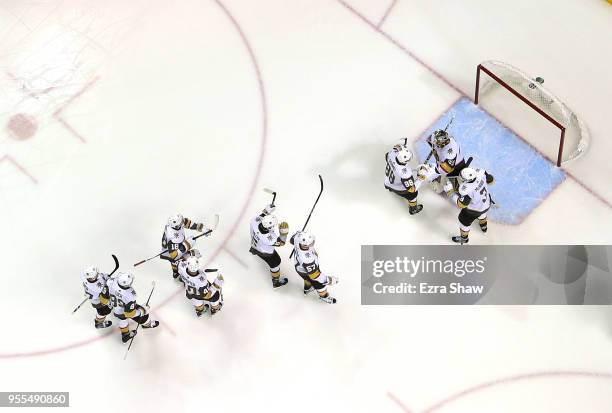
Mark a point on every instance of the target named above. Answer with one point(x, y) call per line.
point(523, 177)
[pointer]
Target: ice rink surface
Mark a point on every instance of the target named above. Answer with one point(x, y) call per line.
point(117, 114)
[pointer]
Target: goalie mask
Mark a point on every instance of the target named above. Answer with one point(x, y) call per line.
point(441, 138)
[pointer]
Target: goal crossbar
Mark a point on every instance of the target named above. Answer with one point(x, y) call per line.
point(512, 90)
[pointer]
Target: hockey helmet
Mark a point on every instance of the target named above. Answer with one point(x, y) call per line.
point(269, 222)
point(125, 280)
point(91, 273)
point(441, 138)
point(304, 240)
point(404, 155)
point(176, 221)
point(193, 264)
point(468, 174)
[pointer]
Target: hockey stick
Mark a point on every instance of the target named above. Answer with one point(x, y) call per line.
point(273, 194)
point(138, 325)
point(445, 129)
point(311, 211)
point(194, 238)
point(114, 270)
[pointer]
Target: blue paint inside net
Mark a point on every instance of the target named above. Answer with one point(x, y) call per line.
point(523, 177)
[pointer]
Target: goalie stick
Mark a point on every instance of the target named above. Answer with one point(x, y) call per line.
point(445, 129)
point(311, 211)
point(114, 270)
point(138, 325)
point(215, 224)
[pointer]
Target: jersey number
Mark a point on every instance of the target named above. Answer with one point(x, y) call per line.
point(409, 183)
point(116, 302)
point(483, 192)
point(254, 239)
point(389, 172)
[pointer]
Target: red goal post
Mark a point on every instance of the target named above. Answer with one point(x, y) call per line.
point(574, 136)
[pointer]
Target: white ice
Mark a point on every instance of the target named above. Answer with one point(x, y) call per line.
point(178, 103)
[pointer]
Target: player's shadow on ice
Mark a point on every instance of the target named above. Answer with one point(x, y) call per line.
point(356, 175)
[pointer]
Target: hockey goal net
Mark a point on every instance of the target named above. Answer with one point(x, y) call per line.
point(492, 77)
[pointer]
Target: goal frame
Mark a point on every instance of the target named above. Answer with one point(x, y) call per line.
point(480, 68)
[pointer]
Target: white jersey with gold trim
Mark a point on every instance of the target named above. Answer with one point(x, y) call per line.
point(397, 176)
point(263, 242)
point(122, 300)
point(174, 236)
point(475, 195)
point(449, 154)
point(306, 261)
point(94, 289)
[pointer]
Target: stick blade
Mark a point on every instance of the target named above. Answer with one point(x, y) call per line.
point(269, 191)
point(215, 221)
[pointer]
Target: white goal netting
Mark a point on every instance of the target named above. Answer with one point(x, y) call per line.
point(576, 139)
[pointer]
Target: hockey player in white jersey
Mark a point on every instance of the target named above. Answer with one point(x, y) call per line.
point(474, 200)
point(176, 242)
point(122, 299)
point(202, 293)
point(306, 263)
point(266, 236)
point(446, 151)
point(399, 178)
point(449, 160)
point(94, 282)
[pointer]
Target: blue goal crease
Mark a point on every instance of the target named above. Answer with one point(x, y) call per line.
point(523, 177)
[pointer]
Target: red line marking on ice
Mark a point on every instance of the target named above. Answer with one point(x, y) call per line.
point(514, 379)
point(387, 13)
point(400, 46)
point(235, 257)
point(21, 169)
point(398, 402)
point(57, 349)
point(433, 71)
point(58, 113)
point(256, 175)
